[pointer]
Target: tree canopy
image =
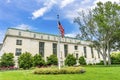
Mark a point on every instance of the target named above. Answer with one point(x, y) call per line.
point(101, 26)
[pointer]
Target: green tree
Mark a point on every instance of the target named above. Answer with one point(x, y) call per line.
point(25, 60)
point(70, 60)
point(116, 42)
point(82, 60)
point(38, 61)
point(99, 26)
point(52, 60)
point(7, 60)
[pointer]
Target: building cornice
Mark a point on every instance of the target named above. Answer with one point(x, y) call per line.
point(42, 33)
point(40, 39)
point(25, 37)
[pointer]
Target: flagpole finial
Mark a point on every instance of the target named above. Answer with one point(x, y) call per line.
point(57, 16)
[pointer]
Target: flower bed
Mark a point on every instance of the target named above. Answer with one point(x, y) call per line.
point(66, 70)
point(8, 68)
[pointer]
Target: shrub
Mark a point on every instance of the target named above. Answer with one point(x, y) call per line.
point(82, 60)
point(38, 61)
point(115, 58)
point(52, 60)
point(7, 60)
point(0, 63)
point(25, 60)
point(66, 70)
point(70, 60)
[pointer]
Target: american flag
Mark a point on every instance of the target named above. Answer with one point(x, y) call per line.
point(61, 29)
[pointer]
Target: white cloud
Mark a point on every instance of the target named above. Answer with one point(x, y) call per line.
point(68, 8)
point(24, 27)
point(65, 3)
point(71, 11)
point(49, 18)
point(8, 1)
point(39, 1)
point(72, 14)
point(40, 12)
point(85, 1)
point(73, 34)
point(70, 35)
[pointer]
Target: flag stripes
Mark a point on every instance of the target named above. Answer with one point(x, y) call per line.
point(61, 29)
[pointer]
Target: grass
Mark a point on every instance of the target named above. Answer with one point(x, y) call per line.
point(92, 73)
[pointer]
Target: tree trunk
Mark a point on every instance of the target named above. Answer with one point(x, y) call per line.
point(109, 58)
point(103, 53)
point(104, 60)
point(104, 56)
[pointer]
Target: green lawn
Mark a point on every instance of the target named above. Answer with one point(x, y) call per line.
point(92, 73)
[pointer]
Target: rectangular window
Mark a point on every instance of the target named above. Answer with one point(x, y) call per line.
point(34, 36)
point(41, 36)
point(48, 37)
point(41, 48)
point(54, 38)
point(55, 48)
point(92, 52)
point(19, 33)
point(65, 50)
point(18, 51)
point(18, 42)
point(85, 52)
point(76, 47)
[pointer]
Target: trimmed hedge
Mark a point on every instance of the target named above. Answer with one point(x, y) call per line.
point(70, 60)
point(38, 61)
point(82, 60)
point(66, 70)
point(52, 60)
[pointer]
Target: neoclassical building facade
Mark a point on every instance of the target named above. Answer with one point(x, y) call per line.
point(18, 41)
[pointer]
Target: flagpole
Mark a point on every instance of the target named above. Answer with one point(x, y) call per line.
point(58, 51)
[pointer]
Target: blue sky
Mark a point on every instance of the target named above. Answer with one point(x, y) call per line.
point(40, 15)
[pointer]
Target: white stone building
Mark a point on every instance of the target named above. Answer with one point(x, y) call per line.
point(0, 46)
point(19, 41)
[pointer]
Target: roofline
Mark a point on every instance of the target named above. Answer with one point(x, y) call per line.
point(42, 33)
